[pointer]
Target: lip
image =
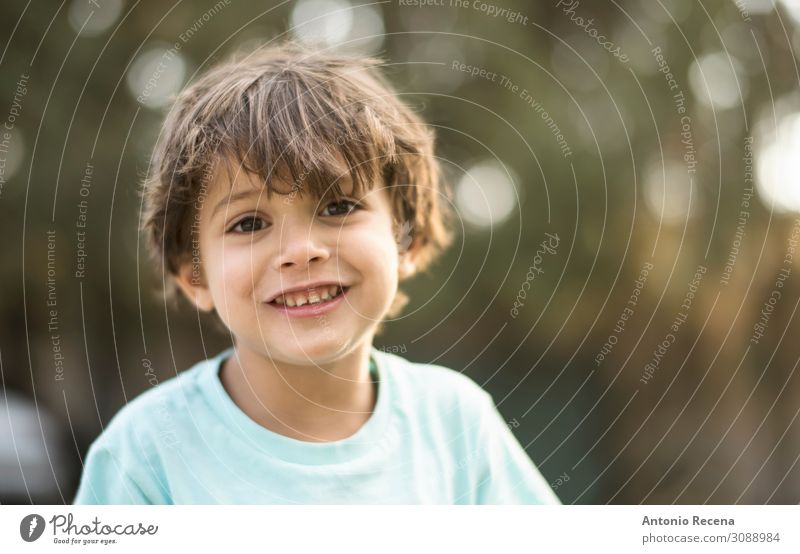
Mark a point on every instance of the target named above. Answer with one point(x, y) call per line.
point(307, 310)
point(305, 287)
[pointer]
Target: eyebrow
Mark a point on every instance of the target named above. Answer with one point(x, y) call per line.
point(232, 198)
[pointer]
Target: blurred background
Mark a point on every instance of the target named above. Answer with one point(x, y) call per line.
point(624, 280)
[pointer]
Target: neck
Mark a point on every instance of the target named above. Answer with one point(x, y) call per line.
point(314, 403)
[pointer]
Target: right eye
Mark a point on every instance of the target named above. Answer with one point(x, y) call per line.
point(249, 224)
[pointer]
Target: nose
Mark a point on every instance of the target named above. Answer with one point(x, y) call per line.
point(300, 246)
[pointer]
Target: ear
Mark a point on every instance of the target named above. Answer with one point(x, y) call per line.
point(407, 266)
point(192, 282)
point(408, 259)
point(407, 247)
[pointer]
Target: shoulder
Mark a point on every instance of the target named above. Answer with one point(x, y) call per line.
point(153, 414)
point(127, 462)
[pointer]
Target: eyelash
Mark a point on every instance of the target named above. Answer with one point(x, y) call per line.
point(355, 206)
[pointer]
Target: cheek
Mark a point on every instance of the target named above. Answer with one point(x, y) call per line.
point(236, 273)
point(373, 252)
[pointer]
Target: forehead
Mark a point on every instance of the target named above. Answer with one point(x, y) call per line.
point(232, 182)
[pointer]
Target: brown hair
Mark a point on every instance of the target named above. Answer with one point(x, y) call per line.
point(291, 115)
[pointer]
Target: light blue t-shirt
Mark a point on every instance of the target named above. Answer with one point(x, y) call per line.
point(434, 437)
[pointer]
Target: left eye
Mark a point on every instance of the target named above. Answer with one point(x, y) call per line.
point(249, 225)
point(342, 207)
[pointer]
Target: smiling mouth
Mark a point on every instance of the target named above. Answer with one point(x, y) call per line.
point(317, 295)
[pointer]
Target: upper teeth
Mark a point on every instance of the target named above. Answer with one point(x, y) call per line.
point(310, 296)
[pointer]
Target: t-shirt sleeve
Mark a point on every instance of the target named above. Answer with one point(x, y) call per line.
point(507, 475)
point(104, 481)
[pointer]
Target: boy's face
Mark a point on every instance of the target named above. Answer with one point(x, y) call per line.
point(253, 249)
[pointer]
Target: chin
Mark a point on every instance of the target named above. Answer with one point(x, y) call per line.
point(317, 351)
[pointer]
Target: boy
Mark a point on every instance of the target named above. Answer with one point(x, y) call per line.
point(291, 191)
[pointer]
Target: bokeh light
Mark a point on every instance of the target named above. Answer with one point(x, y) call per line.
point(486, 195)
point(718, 80)
point(669, 193)
point(94, 20)
point(778, 166)
point(156, 76)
